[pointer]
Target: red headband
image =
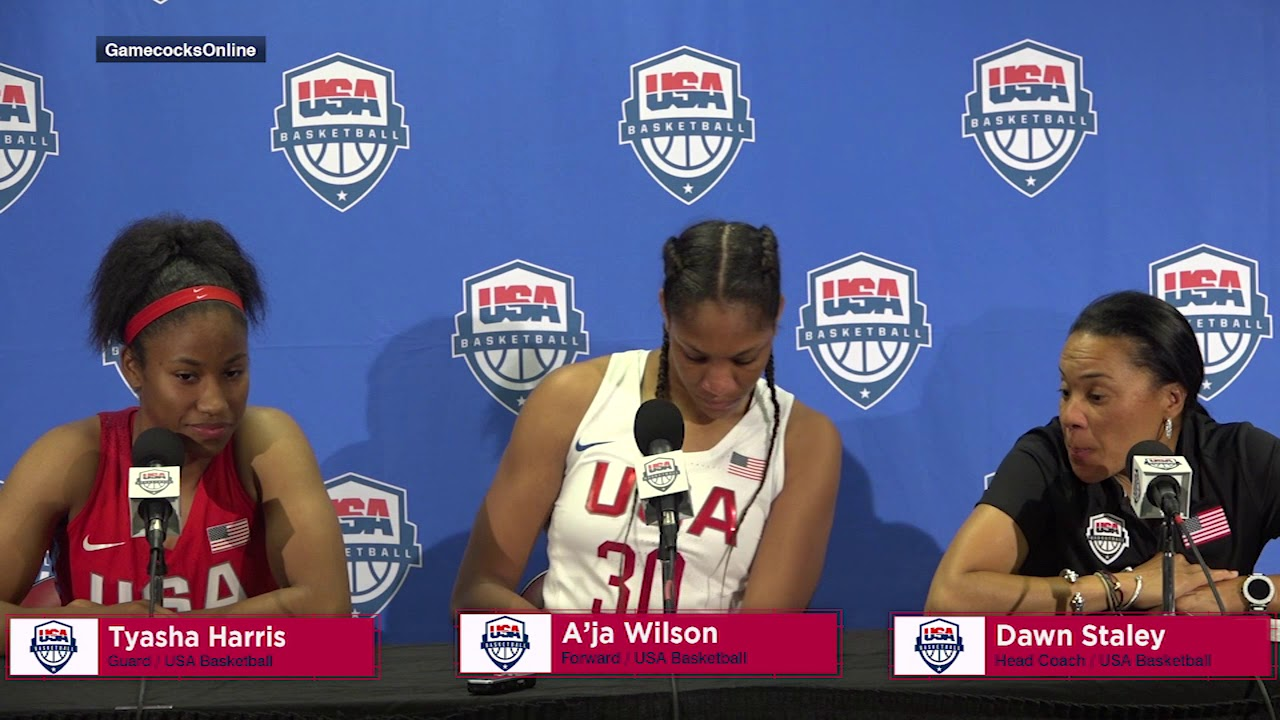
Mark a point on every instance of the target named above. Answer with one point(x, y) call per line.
point(173, 301)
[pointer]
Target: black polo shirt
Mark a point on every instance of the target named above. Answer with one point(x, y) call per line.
point(1068, 524)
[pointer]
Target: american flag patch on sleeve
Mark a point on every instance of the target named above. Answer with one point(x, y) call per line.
point(228, 536)
point(746, 467)
point(1206, 526)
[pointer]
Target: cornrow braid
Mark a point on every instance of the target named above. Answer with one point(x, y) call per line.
point(773, 440)
point(663, 390)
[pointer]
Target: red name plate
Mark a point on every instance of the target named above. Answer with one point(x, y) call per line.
point(194, 647)
point(803, 644)
point(1080, 646)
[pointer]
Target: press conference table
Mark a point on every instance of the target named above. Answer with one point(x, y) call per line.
point(418, 682)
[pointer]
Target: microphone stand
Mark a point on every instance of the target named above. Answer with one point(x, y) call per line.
point(668, 526)
point(1167, 564)
point(668, 507)
point(157, 569)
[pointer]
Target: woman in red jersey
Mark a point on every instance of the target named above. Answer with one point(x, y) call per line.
point(259, 535)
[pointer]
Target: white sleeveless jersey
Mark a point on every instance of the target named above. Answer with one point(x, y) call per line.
point(604, 558)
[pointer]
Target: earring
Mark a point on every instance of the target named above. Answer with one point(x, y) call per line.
point(1168, 429)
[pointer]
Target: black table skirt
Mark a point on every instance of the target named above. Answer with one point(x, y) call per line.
point(419, 682)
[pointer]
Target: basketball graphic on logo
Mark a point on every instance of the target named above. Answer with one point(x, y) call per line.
point(869, 360)
point(13, 165)
point(514, 368)
point(342, 162)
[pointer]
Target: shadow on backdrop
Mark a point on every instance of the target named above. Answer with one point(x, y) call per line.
point(873, 567)
point(435, 432)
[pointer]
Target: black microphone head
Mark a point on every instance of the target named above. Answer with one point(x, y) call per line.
point(157, 446)
point(1146, 447)
point(659, 419)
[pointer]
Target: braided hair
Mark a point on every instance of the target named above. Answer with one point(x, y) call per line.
point(160, 255)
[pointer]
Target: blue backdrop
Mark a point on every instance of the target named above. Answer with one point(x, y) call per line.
point(447, 199)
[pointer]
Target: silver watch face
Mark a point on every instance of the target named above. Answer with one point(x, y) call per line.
point(1256, 590)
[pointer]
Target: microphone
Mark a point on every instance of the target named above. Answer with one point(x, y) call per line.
point(664, 484)
point(1160, 483)
point(664, 480)
point(155, 486)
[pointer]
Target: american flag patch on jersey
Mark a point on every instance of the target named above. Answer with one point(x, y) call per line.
point(229, 535)
point(747, 467)
point(1206, 526)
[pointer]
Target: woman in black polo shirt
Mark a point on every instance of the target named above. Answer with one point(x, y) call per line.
point(1054, 531)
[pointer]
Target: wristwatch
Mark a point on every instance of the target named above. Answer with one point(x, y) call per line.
point(1258, 591)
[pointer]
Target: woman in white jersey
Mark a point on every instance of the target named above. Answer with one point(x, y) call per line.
point(763, 467)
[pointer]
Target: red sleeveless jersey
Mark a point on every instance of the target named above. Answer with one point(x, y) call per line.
point(220, 556)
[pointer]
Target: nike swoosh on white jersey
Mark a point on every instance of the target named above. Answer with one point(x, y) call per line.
point(90, 547)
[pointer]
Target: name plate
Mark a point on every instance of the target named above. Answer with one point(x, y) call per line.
point(580, 644)
point(190, 646)
point(1082, 646)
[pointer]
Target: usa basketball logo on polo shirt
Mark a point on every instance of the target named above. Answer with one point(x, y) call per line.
point(382, 544)
point(1217, 291)
point(27, 136)
point(1107, 537)
point(863, 325)
point(1029, 112)
point(686, 119)
point(340, 127)
point(518, 323)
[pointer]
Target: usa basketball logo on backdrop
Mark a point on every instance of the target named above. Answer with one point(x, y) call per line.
point(1029, 112)
point(27, 136)
point(1217, 291)
point(504, 641)
point(863, 325)
point(382, 544)
point(518, 323)
point(1107, 536)
point(340, 127)
point(686, 119)
point(939, 644)
point(111, 358)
